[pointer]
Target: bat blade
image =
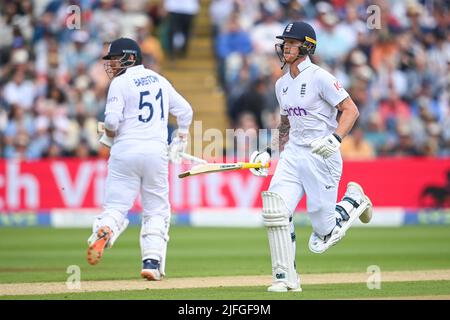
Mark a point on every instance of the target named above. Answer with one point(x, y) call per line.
point(219, 167)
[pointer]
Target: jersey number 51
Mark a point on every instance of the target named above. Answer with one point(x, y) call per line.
point(143, 104)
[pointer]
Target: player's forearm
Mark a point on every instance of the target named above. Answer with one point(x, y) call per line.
point(348, 117)
point(181, 110)
point(184, 120)
point(279, 140)
point(112, 121)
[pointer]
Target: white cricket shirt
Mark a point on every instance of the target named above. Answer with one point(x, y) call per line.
point(143, 99)
point(310, 102)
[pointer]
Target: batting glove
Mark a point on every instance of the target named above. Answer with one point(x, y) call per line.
point(106, 141)
point(262, 157)
point(178, 145)
point(326, 146)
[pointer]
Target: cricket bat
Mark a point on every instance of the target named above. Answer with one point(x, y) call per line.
point(219, 167)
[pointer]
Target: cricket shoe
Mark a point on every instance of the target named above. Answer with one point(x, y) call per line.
point(354, 190)
point(319, 244)
point(283, 286)
point(150, 270)
point(97, 243)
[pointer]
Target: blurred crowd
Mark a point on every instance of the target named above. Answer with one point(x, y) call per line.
point(395, 65)
point(53, 86)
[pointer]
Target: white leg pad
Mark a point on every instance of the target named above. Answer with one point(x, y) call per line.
point(276, 219)
point(113, 219)
point(121, 229)
point(158, 246)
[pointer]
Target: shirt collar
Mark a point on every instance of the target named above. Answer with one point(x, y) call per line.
point(304, 64)
point(134, 68)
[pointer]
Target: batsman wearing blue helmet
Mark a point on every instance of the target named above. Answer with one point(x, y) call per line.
point(310, 134)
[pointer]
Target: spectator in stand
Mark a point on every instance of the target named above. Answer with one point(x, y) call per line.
point(181, 15)
point(106, 21)
point(20, 90)
point(246, 137)
point(376, 134)
point(152, 52)
point(219, 13)
point(241, 75)
point(251, 101)
point(334, 45)
point(265, 31)
point(355, 147)
point(18, 150)
point(405, 145)
point(81, 53)
point(393, 109)
point(233, 40)
point(19, 129)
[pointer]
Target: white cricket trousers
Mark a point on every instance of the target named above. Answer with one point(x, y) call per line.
point(300, 171)
point(144, 170)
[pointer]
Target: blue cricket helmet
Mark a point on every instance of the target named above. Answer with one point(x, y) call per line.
point(123, 47)
point(301, 31)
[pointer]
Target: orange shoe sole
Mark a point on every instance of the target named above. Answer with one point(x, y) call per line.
point(95, 251)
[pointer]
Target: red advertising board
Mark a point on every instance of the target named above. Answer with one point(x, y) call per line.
point(44, 185)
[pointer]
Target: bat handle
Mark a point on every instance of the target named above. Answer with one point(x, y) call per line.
point(187, 156)
point(184, 174)
point(251, 165)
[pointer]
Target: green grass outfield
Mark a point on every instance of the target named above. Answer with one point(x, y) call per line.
point(43, 255)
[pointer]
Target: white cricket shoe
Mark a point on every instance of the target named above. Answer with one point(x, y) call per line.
point(318, 244)
point(283, 286)
point(354, 190)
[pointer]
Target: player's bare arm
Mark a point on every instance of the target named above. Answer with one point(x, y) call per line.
point(348, 117)
point(283, 136)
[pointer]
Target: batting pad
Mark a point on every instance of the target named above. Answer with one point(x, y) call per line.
point(153, 240)
point(276, 219)
point(113, 219)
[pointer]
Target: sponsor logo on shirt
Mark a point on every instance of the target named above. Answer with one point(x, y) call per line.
point(285, 90)
point(338, 85)
point(295, 111)
point(112, 99)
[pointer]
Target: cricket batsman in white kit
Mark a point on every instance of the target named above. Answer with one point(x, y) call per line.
point(310, 161)
point(136, 116)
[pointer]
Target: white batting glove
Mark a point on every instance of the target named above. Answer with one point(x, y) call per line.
point(325, 146)
point(178, 145)
point(262, 157)
point(106, 141)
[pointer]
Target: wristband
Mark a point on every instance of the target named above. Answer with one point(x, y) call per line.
point(337, 137)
